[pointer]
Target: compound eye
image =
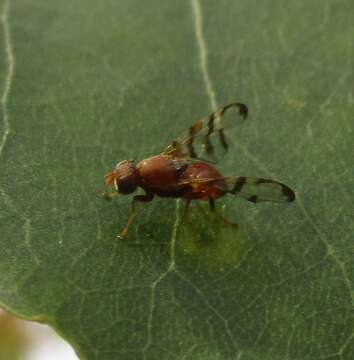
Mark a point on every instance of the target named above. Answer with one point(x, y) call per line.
point(127, 184)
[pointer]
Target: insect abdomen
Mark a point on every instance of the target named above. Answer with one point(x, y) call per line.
point(215, 188)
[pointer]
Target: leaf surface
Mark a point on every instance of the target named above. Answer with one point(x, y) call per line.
point(87, 83)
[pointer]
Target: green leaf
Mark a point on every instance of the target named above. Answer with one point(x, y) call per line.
point(87, 83)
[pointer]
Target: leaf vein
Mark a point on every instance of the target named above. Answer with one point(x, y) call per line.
point(10, 61)
point(198, 22)
point(4, 19)
point(170, 268)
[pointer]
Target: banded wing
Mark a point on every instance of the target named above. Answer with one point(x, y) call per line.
point(250, 188)
point(204, 130)
point(257, 189)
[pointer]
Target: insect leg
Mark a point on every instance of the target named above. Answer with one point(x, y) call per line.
point(133, 212)
point(220, 217)
point(110, 195)
point(185, 211)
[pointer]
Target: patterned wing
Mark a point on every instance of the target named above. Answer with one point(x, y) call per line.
point(250, 188)
point(257, 189)
point(205, 130)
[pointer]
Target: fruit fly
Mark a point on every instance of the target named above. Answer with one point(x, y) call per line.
point(179, 172)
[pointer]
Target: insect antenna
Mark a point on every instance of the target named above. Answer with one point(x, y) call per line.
point(109, 178)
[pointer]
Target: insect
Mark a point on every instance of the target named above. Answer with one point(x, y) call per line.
point(179, 172)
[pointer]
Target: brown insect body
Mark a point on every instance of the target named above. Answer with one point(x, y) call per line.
point(160, 174)
point(167, 176)
point(176, 173)
point(196, 173)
